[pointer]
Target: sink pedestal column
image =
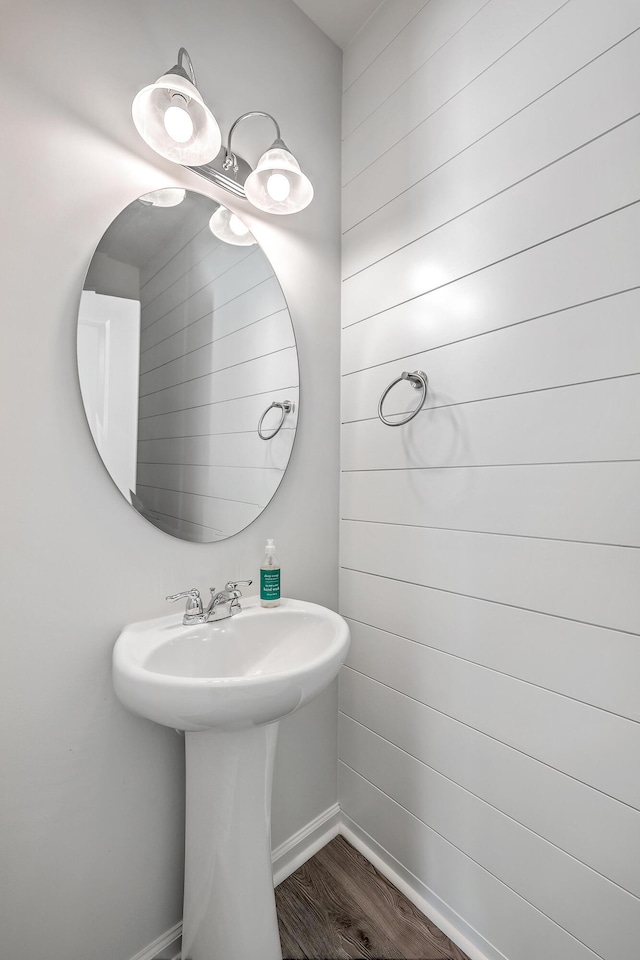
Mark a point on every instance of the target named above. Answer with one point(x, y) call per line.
point(229, 903)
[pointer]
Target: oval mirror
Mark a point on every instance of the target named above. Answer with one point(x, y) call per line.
point(188, 365)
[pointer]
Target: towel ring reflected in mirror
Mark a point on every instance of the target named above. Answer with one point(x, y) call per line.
point(418, 380)
point(286, 406)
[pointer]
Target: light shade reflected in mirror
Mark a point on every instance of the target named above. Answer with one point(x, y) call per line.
point(184, 341)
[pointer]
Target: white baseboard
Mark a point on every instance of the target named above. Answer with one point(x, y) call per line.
point(305, 843)
point(159, 946)
point(312, 837)
point(452, 925)
point(286, 858)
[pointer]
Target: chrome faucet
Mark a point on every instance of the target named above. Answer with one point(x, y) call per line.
point(225, 603)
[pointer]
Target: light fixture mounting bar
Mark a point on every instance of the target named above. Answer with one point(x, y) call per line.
point(232, 180)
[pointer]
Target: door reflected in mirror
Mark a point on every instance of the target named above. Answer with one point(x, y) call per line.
point(184, 341)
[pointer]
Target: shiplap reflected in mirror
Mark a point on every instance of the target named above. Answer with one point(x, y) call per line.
point(184, 341)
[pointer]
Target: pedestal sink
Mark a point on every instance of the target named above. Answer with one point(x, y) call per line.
point(227, 684)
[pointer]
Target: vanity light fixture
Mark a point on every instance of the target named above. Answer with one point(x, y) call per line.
point(227, 226)
point(172, 117)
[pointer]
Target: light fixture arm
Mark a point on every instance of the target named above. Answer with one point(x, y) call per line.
point(178, 68)
point(230, 161)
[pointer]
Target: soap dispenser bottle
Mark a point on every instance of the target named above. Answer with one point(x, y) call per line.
point(270, 577)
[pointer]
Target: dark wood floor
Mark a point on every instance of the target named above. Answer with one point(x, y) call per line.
point(338, 907)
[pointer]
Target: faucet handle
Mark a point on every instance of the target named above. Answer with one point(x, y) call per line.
point(194, 601)
point(232, 586)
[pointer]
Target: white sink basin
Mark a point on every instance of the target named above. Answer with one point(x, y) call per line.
point(227, 684)
point(250, 669)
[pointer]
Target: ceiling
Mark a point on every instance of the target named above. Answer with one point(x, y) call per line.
point(339, 19)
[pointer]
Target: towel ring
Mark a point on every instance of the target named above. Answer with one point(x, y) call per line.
point(286, 406)
point(418, 380)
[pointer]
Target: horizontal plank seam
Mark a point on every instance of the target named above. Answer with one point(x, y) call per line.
point(493, 196)
point(506, 396)
point(206, 314)
point(479, 139)
point(192, 293)
point(215, 403)
point(484, 666)
point(191, 493)
point(422, 64)
point(218, 466)
point(488, 466)
point(505, 259)
point(500, 603)
point(487, 803)
point(203, 232)
point(208, 343)
point(209, 373)
point(212, 373)
point(241, 259)
point(491, 533)
point(503, 743)
point(469, 82)
point(201, 436)
point(477, 862)
point(493, 330)
point(379, 54)
point(481, 203)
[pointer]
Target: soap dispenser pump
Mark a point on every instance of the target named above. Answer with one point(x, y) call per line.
point(270, 577)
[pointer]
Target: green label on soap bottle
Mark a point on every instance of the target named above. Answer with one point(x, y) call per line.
point(270, 584)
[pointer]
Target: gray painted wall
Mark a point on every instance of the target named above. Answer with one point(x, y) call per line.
point(91, 805)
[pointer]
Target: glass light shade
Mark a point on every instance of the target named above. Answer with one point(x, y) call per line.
point(278, 185)
point(166, 197)
point(173, 91)
point(227, 226)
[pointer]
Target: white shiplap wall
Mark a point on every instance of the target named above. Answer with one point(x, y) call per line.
point(490, 572)
point(217, 346)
